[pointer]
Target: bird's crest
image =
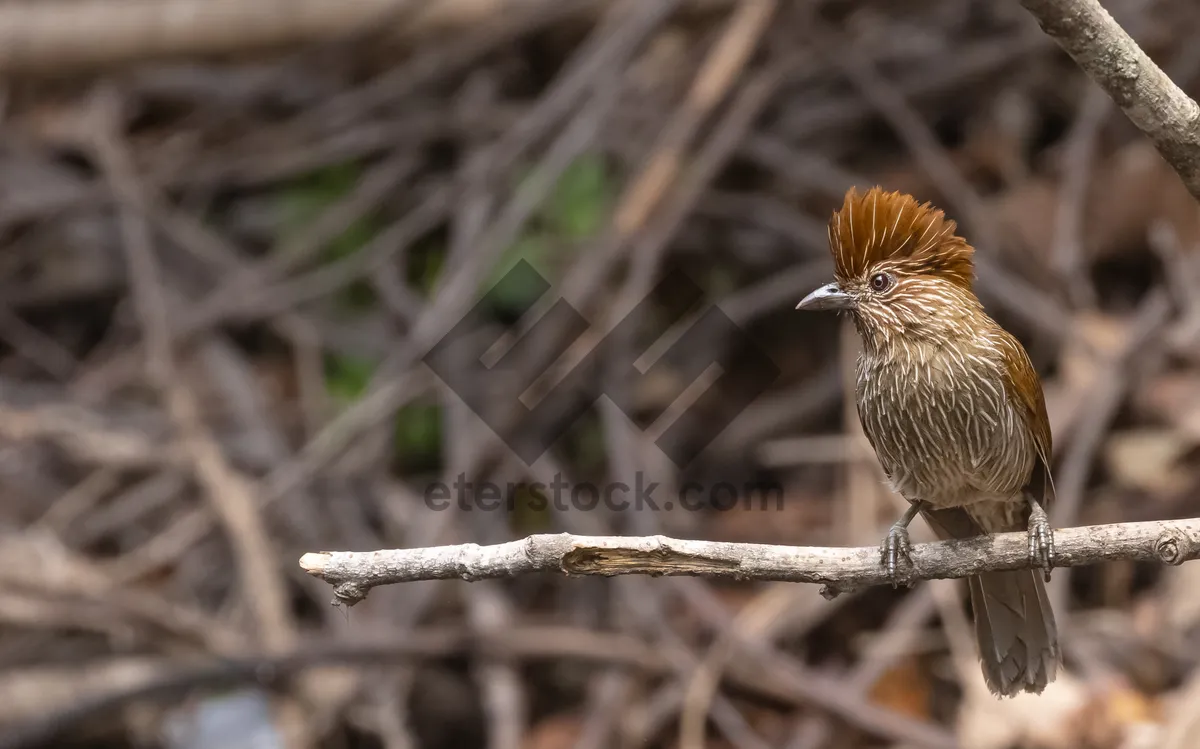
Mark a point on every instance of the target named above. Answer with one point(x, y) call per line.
point(915, 238)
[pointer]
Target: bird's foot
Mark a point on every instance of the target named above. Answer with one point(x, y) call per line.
point(1041, 541)
point(895, 545)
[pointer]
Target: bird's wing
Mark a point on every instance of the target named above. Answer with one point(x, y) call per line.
point(1023, 383)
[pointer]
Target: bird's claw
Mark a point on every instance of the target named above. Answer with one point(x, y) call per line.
point(895, 545)
point(1041, 543)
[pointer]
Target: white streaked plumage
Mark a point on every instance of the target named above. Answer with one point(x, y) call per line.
point(939, 416)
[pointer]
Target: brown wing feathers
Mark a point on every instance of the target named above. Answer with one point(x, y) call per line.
point(1022, 381)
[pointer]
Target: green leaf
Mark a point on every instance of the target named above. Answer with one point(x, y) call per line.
point(514, 296)
point(308, 197)
point(579, 203)
point(531, 512)
point(591, 444)
point(575, 209)
point(418, 435)
point(346, 377)
point(425, 264)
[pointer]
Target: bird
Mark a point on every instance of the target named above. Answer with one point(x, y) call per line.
point(954, 410)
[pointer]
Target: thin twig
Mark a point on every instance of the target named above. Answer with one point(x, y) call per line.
point(718, 73)
point(1069, 257)
point(232, 494)
point(180, 677)
point(759, 622)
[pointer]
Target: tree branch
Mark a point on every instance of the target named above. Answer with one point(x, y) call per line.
point(1159, 108)
point(65, 36)
point(839, 569)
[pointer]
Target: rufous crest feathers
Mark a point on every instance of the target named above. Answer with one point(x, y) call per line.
point(913, 238)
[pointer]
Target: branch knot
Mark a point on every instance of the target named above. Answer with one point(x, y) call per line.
point(1173, 547)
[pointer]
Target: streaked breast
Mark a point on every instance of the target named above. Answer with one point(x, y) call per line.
point(943, 425)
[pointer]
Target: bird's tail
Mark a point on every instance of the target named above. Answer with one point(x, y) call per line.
point(1014, 624)
point(1015, 630)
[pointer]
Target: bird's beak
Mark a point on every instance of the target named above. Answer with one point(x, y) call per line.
point(829, 296)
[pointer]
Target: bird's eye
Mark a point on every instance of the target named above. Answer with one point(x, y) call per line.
point(881, 282)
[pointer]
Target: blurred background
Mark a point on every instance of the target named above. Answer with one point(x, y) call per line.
point(230, 232)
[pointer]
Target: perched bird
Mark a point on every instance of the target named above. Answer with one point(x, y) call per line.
point(954, 410)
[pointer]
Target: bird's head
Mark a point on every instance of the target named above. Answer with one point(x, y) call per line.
point(899, 268)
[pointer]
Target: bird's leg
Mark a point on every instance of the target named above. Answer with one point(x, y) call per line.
point(1041, 538)
point(896, 543)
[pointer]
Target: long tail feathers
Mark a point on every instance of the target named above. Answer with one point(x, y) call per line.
point(1015, 630)
point(1014, 624)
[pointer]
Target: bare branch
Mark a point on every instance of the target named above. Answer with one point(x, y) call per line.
point(49, 36)
point(1159, 108)
point(83, 34)
point(839, 569)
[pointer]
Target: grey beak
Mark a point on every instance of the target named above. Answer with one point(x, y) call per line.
point(828, 296)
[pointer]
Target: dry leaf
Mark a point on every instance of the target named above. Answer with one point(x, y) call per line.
point(1133, 189)
point(554, 732)
point(1069, 714)
point(1028, 721)
point(904, 688)
point(1148, 459)
point(1174, 398)
point(1081, 360)
point(1113, 717)
point(1178, 594)
point(1129, 191)
point(1027, 214)
point(1128, 706)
